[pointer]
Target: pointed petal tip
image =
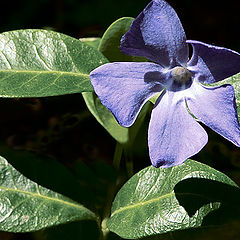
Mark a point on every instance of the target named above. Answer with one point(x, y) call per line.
point(173, 134)
point(236, 141)
point(171, 160)
point(213, 63)
point(221, 112)
point(157, 34)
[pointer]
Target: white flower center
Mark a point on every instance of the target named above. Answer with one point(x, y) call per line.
point(181, 75)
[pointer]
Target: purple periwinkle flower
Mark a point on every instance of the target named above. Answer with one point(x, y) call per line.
point(174, 132)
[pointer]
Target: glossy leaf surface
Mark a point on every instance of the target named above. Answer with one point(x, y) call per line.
point(51, 174)
point(160, 200)
point(37, 63)
point(110, 43)
point(26, 206)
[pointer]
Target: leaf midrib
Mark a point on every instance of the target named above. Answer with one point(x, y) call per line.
point(45, 72)
point(138, 204)
point(39, 195)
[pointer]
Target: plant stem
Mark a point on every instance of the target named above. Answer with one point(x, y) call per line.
point(111, 192)
point(117, 156)
point(128, 160)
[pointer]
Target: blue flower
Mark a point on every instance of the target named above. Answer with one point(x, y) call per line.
point(174, 132)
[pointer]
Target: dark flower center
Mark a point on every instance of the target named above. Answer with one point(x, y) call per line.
point(181, 75)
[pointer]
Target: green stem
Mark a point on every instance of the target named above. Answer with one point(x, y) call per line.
point(111, 192)
point(117, 156)
point(128, 160)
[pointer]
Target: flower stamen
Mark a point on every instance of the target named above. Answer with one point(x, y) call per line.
point(181, 75)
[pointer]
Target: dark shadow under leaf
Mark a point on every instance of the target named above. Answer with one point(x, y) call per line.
point(193, 193)
point(229, 231)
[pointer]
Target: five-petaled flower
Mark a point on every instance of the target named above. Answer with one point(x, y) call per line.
point(124, 87)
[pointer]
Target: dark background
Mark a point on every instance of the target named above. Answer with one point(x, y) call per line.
point(61, 128)
point(212, 21)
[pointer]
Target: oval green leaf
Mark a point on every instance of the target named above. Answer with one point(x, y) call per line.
point(109, 45)
point(110, 42)
point(159, 200)
point(38, 63)
point(25, 206)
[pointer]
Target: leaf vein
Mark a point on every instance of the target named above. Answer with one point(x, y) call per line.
point(28, 81)
point(140, 204)
point(71, 204)
point(40, 58)
point(8, 76)
point(77, 74)
point(6, 60)
point(51, 84)
point(12, 177)
point(70, 57)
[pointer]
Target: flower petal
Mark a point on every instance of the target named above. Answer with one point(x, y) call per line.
point(125, 87)
point(158, 35)
point(173, 134)
point(216, 108)
point(212, 64)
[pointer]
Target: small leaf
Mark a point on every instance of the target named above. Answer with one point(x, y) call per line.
point(91, 41)
point(26, 206)
point(160, 200)
point(109, 46)
point(38, 63)
point(110, 43)
point(105, 117)
point(154, 98)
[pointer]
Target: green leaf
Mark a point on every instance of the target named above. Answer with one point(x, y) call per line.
point(110, 43)
point(38, 63)
point(235, 81)
point(160, 200)
point(105, 117)
point(51, 174)
point(155, 97)
point(26, 206)
point(91, 41)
